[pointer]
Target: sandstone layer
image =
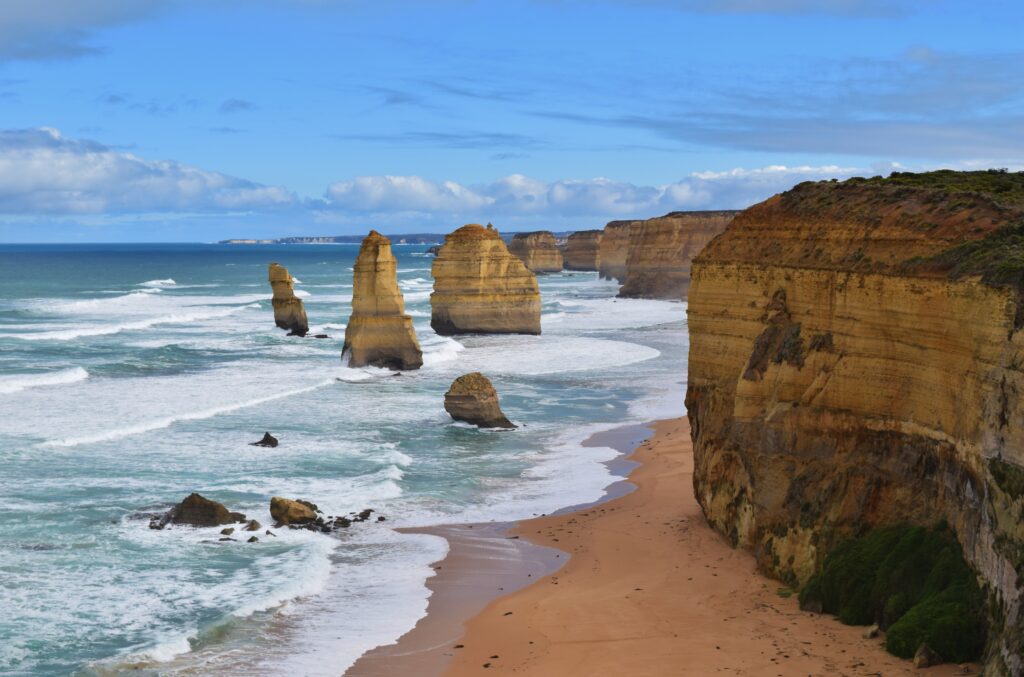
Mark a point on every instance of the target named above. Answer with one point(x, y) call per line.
point(538, 250)
point(481, 288)
point(472, 398)
point(289, 313)
point(661, 251)
point(613, 250)
point(856, 359)
point(583, 250)
point(379, 333)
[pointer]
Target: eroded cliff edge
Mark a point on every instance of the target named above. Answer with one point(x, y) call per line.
point(583, 250)
point(856, 359)
point(538, 251)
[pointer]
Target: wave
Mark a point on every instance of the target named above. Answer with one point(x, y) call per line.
point(167, 421)
point(158, 284)
point(17, 383)
point(106, 330)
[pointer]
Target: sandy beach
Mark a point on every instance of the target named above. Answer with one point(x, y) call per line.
point(649, 589)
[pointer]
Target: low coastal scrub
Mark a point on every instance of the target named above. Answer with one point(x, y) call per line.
point(913, 582)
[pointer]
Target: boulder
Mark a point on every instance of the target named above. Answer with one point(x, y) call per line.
point(379, 333)
point(925, 657)
point(288, 511)
point(583, 250)
point(253, 525)
point(472, 399)
point(538, 251)
point(267, 441)
point(197, 511)
point(289, 313)
point(481, 288)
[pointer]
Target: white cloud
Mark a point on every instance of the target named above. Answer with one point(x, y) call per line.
point(41, 172)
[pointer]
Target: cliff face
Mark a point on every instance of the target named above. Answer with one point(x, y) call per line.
point(538, 250)
point(289, 312)
point(583, 250)
point(662, 249)
point(613, 250)
point(856, 360)
point(479, 287)
point(379, 333)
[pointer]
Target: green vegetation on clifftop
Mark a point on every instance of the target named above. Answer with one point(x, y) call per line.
point(913, 582)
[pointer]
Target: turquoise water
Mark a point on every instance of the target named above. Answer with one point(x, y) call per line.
point(132, 375)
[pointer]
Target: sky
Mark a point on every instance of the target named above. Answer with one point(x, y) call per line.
point(201, 120)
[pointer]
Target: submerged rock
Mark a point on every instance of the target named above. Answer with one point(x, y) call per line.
point(583, 250)
point(288, 511)
point(267, 441)
point(538, 251)
point(472, 399)
point(379, 333)
point(480, 287)
point(289, 313)
point(197, 511)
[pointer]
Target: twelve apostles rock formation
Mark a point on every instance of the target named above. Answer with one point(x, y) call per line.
point(583, 250)
point(857, 359)
point(479, 287)
point(472, 399)
point(661, 250)
point(538, 250)
point(379, 333)
point(289, 312)
point(613, 250)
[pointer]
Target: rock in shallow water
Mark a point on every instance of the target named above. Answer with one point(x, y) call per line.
point(267, 441)
point(472, 399)
point(289, 313)
point(288, 511)
point(197, 511)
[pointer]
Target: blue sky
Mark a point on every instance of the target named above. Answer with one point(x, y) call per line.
point(161, 120)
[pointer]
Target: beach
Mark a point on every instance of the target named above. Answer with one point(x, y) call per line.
point(649, 589)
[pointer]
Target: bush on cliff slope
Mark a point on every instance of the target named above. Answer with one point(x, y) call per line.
point(912, 581)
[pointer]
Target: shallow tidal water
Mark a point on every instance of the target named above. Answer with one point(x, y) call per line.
point(132, 375)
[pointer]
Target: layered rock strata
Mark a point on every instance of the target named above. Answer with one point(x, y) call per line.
point(472, 399)
point(479, 287)
point(583, 250)
point(661, 251)
point(289, 313)
point(613, 250)
point(857, 359)
point(379, 333)
point(538, 250)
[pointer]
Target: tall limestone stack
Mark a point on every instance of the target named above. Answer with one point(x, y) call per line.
point(661, 250)
point(583, 250)
point(481, 288)
point(613, 250)
point(289, 313)
point(379, 333)
point(856, 360)
point(538, 250)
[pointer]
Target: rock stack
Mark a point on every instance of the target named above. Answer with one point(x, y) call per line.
point(472, 399)
point(289, 312)
point(538, 251)
point(583, 250)
point(481, 288)
point(661, 250)
point(379, 333)
point(613, 250)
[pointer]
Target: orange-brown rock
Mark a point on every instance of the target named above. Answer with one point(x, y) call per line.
point(613, 250)
point(538, 250)
point(662, 249)
point(857, 359)
point(472, 398)
point(289, 313)
point(288, 511)
point(379, 333)
point(583, 250)
point(481, 288)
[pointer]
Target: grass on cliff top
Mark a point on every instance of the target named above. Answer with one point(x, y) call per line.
point(913, 582)
point(1006, 188)
point(998, 258)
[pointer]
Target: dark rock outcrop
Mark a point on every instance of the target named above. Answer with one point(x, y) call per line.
point(267, 441)
point(197, 511)
point(472, 398)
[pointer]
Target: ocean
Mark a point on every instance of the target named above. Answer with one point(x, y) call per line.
point(133, 375)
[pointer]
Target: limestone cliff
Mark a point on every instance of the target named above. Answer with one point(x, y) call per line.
point(481, 288)
point(613, 250)
point(857, 359)
point(379, 333)
point(662, 249)
point(289, 312)
point(472, 398)
point(538, 250)
point(583, 250)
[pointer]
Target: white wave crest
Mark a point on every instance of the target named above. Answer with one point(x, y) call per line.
point(19, 382)
point(158, 284)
